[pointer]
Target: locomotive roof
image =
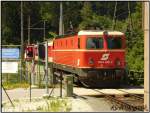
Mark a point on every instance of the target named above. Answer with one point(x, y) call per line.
point(98, 32)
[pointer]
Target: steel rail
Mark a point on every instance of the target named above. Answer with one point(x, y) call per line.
point(133, 95)
point(123, 104)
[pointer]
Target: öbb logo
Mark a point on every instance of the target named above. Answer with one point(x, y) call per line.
point(105, 56)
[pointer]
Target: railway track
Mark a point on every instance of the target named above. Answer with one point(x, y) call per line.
point(130, 103)
point(132, 95)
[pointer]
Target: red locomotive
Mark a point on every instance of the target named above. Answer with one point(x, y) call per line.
point(95, 58)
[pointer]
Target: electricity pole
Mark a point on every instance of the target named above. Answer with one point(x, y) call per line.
point(146, 56)
point(61, 20)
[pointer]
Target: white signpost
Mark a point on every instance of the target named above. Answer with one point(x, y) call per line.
point(9, 67)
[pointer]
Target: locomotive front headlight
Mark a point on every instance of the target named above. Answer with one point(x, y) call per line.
point(91, 61)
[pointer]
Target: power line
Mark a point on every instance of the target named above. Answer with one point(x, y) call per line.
point(114, 17)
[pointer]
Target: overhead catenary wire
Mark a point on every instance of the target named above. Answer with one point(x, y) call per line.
point(114, 17)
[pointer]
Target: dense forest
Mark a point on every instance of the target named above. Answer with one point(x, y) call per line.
point(122, 16)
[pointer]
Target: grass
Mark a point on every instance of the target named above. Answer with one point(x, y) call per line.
point(10, 85)
point(56, 105)
point(51, 104)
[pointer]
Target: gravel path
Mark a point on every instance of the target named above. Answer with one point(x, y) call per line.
point(79, 104)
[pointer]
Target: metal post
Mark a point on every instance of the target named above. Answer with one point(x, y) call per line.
point(44, 30)
point(39, 73)
point(39, 82)
point(21, 40)
point(30, 87)
point(29, 30)
point(61, 84)
point(8, 96)
point(32, 73)
point(28, 66)
point(146, 56)
point(46, 66)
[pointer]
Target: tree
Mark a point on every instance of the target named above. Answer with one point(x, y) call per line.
point(9, 24)
point(135, 38)
point(91, 19)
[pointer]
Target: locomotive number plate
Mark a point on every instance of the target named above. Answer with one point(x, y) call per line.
point(105, 62)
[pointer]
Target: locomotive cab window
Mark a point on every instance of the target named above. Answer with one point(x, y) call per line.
point(94, 43)
point(114, 42)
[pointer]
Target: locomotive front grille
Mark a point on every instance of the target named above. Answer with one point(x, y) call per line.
point(104, 74)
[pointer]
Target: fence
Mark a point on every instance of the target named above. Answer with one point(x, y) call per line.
point(38, 73)
point(135, 77)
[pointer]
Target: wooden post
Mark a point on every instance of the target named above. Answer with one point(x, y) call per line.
point(146, 56)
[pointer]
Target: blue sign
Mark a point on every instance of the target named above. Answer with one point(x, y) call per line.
point(10, 53)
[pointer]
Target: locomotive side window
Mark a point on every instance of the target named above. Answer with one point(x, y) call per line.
point(114, 42)
point(79, 43)
point(94, 43)
point(72, 42)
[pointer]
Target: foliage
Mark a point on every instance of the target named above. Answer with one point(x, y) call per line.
point(135, 42)
point(52, 35)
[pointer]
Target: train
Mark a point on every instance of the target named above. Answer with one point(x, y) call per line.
point(95, 58)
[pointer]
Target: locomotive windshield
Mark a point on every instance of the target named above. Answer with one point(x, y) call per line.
point(114, 42)
point(94, 43)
